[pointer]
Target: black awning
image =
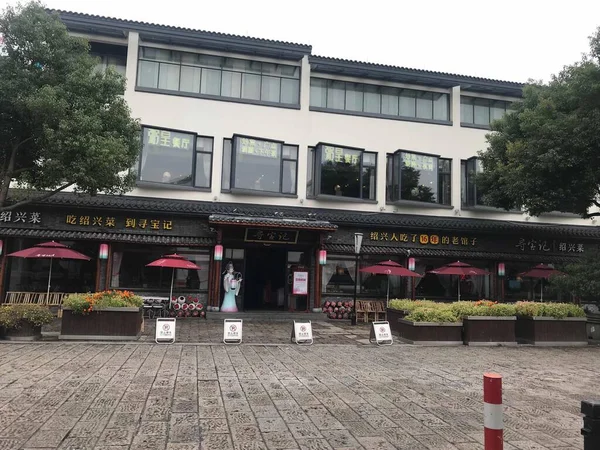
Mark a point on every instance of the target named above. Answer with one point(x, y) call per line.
point(276, 222)
point(111, 237)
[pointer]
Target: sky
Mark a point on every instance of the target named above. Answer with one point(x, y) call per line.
point(507, 40)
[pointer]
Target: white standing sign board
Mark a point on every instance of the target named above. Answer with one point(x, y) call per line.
point(232, 331)
point(381, 333)
point(165, 330)
point(302, 332)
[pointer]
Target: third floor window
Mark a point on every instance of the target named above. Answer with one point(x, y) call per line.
point(481, 111)
point(379, 100)
point(206, 75)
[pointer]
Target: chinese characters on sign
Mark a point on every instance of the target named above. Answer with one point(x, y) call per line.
point(111, 222)
point(169, 139)
point(32, 218)
point(418, 162)
point(340, 155)
point(422, 239)
point(534, 245)
point(255, 147)
point(271, 236)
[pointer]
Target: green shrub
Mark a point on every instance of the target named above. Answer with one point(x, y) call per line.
point(85, 303)
point(556, 310)
point(13, 316)
point(483, 308)
point(407, 304)
point(437, 314)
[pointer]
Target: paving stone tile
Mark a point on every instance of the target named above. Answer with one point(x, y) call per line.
point(216, 442)
point(86, 443)
point(46, 438)
point(280, 440)
point(314, 444)
point(375, 443)
point(116, 436)
point(10, 444)
point(271, 424)
point(213, 426)
point(184, 433)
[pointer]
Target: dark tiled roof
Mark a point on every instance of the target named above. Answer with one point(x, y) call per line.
point(182, 36)
point(272, 222)
point(407, 75)
point(337, 217)
point(101, 236)
point(445, 253)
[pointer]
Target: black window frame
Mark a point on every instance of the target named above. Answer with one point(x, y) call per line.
point(470, 199)
point(195, 151)
point(177, 60)
point(490, 102)
point(232, 161)
point(317, 194)
point(395, 179)
point(416, 95)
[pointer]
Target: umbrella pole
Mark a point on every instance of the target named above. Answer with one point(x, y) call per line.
point(388, 292)
point(459, 288)
point(171, 295)
point(49, 278)
point(541, 289)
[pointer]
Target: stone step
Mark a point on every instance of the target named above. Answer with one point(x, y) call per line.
point(266, 316)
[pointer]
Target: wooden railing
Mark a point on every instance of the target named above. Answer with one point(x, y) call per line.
point(370, 310)
point(37, 298)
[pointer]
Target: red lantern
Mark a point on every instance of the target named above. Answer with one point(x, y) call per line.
point(501, 269)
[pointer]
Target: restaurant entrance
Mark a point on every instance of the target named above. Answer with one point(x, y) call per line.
point(265, 278)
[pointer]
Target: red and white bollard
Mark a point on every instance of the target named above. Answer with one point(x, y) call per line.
point(492, 412)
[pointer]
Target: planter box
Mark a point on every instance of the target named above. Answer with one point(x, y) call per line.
point(593, 326)
point(427, 333)
point(549, 331)
point(393, 315)
point(489, 330)
point(110, 324)
point(26, 332)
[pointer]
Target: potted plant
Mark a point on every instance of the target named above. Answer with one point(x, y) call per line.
point(23, 322)
point(486, 322)
point(434, 323)
point(400, 308)
point(551, 324)
point(107, 315)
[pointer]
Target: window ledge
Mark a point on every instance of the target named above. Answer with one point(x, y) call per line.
point(380, 116)
point(339, 198)
point(240, 191)
point(176, 187)
point(215, 97)
point(418, 204)
point(474, 125)
point(491, 209)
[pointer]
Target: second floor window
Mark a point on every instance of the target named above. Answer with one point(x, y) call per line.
point(379, 100)
point(207, 75)
point(419, 177)
point(342, 172)
point(481, 111)
point(110, 55)
point(175, 158)
point(260, 165)
point(470, 194)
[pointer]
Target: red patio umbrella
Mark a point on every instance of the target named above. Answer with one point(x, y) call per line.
point(542, 271)
point(173, 261)
point(50, 250)
point(389, 268)
point(459, 268)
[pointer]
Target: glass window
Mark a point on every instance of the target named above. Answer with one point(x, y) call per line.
point(389, 101)
point(481, 111)
point(425, 105)
point(129, 269)
point(204, 150)
point(226, 166)
point(354, 97)
point(372, 99)
point(310, 185)
point(167, 157)
point(338, 275)
point(445, 181)
point(497, 110)
point(168, 77)
point(408, 105)
point(190, 79)
point(441, 107)
point(270, 89)
point(211, 82)
point(472, 195)
point(205, 74)
point(389, 177)
point(419, 177)
point(336, 94)
point(148, 74)
point(318, 92)
point(466, 109)
point(261, 165)
point(347, 172)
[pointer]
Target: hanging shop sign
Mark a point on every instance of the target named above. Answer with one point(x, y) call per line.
point(232, 331)
point(300, 283)
point(381, 333)
point(118, 222)
point(20, 217)
point(270, 236)
point(423, 239)
point(548, 246)
point(302, 332)
point(165, 330)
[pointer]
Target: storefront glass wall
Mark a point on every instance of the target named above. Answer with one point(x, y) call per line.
point(129, 269)
point(31, 274)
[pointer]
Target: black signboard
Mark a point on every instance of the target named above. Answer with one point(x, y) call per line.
point(271, 236)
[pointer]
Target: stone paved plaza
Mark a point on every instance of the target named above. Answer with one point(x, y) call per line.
point(184, 397)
